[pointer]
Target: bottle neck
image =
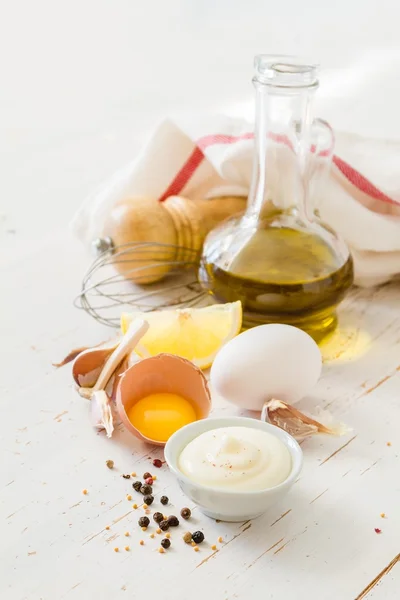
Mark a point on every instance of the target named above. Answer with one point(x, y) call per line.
point(282, 148)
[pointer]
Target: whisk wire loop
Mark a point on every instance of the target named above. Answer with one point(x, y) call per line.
point(118, 280)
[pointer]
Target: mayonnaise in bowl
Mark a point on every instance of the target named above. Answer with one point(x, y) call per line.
point(236, 459)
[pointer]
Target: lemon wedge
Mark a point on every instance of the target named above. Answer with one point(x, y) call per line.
point(193, 333)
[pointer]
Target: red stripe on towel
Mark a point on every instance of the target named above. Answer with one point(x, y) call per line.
point(183, 176)
point(219, 138)
point(196, 158)
point(362, 183)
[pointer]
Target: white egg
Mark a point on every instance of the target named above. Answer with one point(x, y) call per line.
point(268, 361)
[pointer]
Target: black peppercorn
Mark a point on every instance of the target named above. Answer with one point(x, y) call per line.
point(146, 489)
point(146, 475)
point(158, 517)
point(165, 543)
point(148, 499)
point(126, 476)
point(137, 485)
point(186, 513)
point(164, 525)
point(144, 521)
point(173, 521)
point(198, 537)
point(164, 500)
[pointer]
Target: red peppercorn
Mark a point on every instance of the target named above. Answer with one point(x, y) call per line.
point(149, 481)
point(157, 463)
point(377, 530)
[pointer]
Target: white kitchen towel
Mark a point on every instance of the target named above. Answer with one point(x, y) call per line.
point(360, 200)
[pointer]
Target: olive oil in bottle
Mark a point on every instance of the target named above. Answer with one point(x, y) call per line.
point(282, 275)
point(278, 258)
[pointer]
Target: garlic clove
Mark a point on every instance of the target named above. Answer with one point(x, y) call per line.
point(135, 332)
point(70, 357)
point(100, 412)
point(94, 369)
point(85, 392)
point(294, 422)
point(89, 363)
point(88, 379)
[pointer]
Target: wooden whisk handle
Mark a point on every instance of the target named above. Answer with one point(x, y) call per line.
point(179, 223)
point(195, 218)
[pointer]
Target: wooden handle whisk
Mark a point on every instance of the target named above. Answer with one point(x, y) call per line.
point(156, 236)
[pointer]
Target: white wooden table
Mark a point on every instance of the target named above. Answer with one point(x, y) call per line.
point(70, 117)
point(319, 543)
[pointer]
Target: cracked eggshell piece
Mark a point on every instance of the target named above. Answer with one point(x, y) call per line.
point(164, 373)
point(266, 362)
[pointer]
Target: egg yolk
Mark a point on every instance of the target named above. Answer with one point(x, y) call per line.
point(158, 416)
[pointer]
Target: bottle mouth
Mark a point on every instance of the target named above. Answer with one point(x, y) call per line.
point(285, 71)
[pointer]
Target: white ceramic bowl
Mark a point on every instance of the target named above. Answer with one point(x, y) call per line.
point(228, 505)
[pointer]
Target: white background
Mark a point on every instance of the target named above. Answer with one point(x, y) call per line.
point(83, 81)
point(81, 84)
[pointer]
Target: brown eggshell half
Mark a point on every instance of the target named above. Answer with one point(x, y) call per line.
point(164, 373)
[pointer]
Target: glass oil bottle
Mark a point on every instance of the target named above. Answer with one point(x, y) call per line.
point(278, 258)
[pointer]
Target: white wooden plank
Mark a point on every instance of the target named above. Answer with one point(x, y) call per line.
point(62, 134)
point(329, 518)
